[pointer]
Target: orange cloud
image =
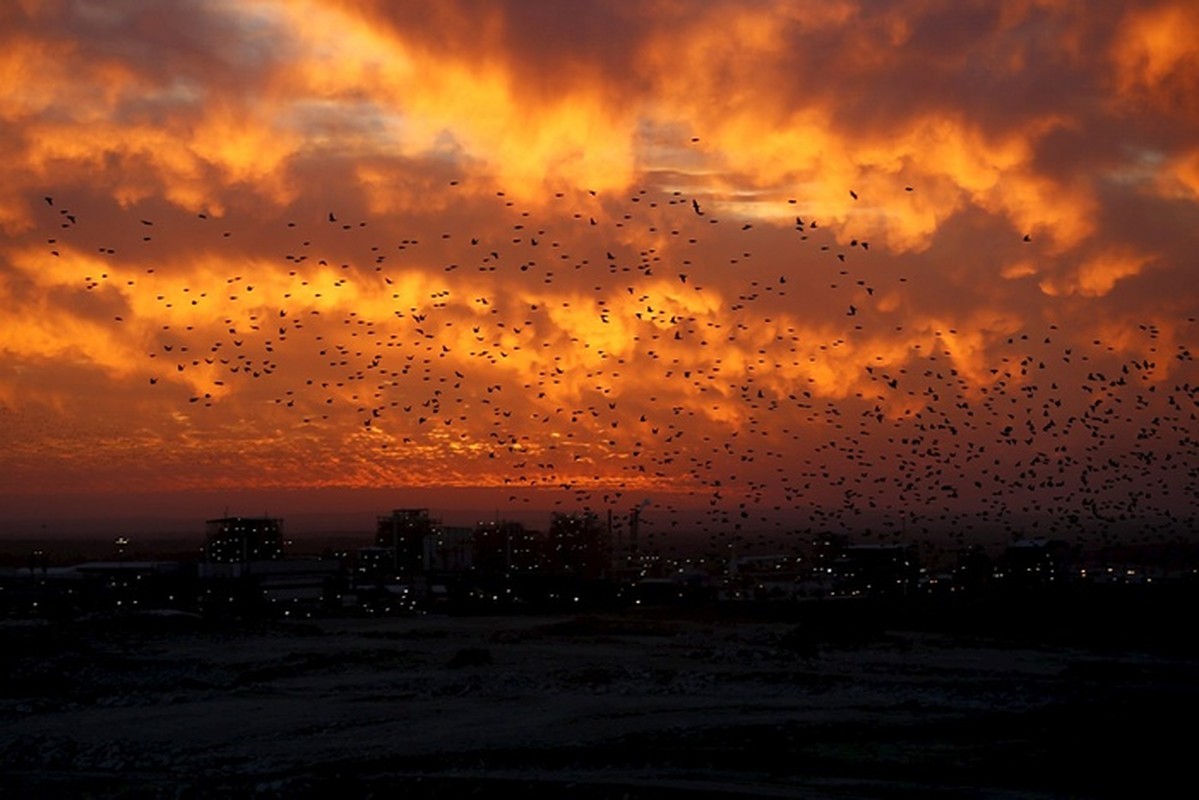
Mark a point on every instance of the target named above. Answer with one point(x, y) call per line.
point(1096, 275)
point(1178, 177)
point(432, 102)
point(474, 315)
point(1156, 57)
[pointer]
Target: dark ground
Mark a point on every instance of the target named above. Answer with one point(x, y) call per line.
point(826, 700)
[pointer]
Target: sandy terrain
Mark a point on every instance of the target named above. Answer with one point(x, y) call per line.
point(592, 706)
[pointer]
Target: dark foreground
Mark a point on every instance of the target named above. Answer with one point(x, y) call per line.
point(822, 701)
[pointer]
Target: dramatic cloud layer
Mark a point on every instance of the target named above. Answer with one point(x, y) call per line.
point(893, 266)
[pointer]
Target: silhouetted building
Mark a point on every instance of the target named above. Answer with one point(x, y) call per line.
point(974, 568)
point(374, 563)
point(773, 577)
point(827, 548)
point(403, 532)
point(578, 545)
point(877, 570)
point(448, 549)
point(504, 548)
point(1036, 562)
point(238, 540)
point(302, 585)
point(111, 587)
point(630, 559)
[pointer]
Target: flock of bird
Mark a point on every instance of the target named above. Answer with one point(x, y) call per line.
point(610, 349)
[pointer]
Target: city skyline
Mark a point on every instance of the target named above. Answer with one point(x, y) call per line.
point(906, 269)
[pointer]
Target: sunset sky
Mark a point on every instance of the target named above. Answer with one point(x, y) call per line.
point(894, 267)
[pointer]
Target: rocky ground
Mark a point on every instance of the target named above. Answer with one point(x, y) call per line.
point(594, 706)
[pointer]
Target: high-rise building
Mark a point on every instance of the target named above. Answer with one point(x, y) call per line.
point(505, 548)
point(448, 549)
point(403, 532)
point(238, 540)
point(578, 545)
